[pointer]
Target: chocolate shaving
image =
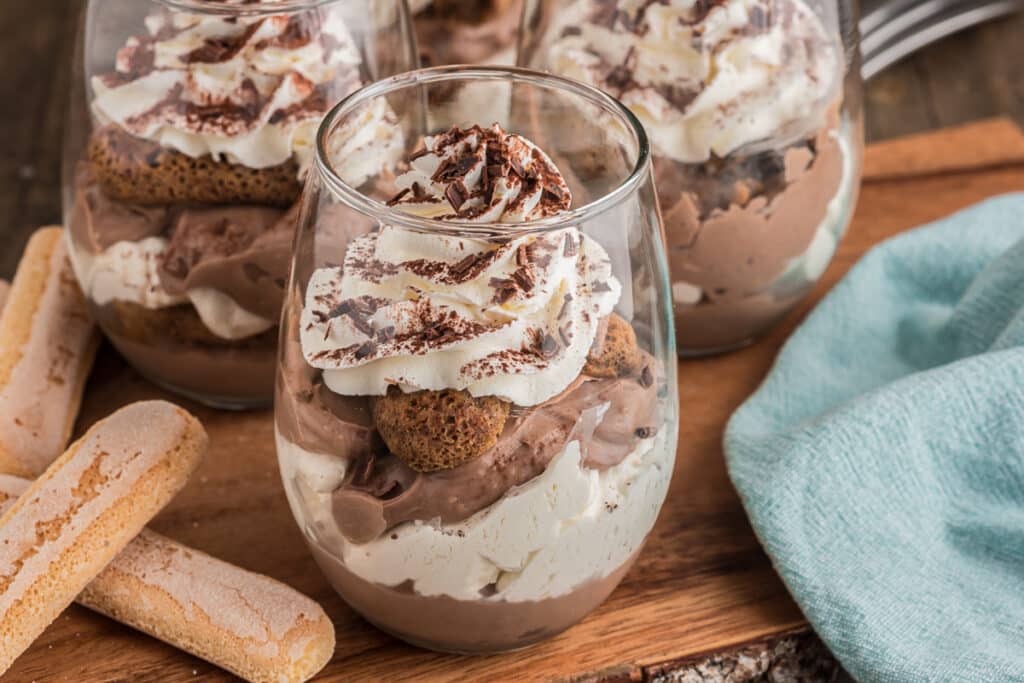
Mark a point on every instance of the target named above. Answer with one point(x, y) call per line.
point(548, 346)
point(646, 432)
point(565, 306)
point(571, 248)
point(646, 377)
point(524, 278)
point(523, 255)
point(505, 289)
point(599, 287)
point(398, 197)
point(456, 194)
point(367, 349)
point(222, 49)
point(563, 332)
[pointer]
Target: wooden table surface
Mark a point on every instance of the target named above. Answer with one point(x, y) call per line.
point(973, 75)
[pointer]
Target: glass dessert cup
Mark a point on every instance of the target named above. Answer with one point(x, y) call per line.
point(191, 128)
point(476, 409)
point(753, 108)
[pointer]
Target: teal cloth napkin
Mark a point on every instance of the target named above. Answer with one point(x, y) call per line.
point(882, 461)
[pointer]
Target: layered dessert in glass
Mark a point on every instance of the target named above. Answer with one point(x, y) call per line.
point(466, 31)
point(752, 107)
point(183, 178)
point(475, 412)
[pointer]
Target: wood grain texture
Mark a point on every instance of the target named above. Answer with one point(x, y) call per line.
point(974, 74)
point(702, 585)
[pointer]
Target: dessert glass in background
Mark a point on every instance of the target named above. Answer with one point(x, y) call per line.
point(191, 129)
point(466, 31)
point(476, 408)
point(753, 108)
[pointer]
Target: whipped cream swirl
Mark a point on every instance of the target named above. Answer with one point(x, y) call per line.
point(249, 89)
point(705, 77)
point(513, 318)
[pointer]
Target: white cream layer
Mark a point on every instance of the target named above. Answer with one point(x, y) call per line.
point(542, 540)
point(128, 272)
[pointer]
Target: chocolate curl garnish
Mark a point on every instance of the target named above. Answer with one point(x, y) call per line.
point(571, 248)
point(398, 197)
point(524, 278)
point(505, 289)
point(366, 350)
point(456, 194)
point(565, 306)
point(566, 336)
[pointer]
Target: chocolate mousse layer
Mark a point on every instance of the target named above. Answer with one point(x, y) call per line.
point(243, 251)
point(381, 491)
point(735, 225)
point(464, 626)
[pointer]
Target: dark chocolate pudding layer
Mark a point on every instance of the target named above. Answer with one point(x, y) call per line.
point(464, 626)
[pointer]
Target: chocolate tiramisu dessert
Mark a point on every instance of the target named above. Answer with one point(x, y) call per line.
point(756, 152)
point(471, 436)
point(182, 206)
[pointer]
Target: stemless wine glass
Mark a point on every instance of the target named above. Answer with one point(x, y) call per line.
point(753, 108)
point(191, 126)
point(476, 407)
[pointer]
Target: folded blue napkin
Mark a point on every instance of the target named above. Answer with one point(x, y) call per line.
point(882, 460)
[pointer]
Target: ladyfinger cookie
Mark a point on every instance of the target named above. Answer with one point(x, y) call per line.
point(130, 169)
point(47, 345)
point(5, 289)
point(249, 624)
point(84, 509)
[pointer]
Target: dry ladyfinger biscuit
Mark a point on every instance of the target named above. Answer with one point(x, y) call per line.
point(47, 345)
point(438, 430)
point(247, 623)
point(87, 506)
point(615, 352)
point(139, 171)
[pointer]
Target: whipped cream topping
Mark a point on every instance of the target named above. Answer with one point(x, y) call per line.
point(513, 318)
point(704, 77)
point(421, 311)
point(366, 144)
point(250, 89)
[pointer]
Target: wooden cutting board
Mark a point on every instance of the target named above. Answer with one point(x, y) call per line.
point(702, 584)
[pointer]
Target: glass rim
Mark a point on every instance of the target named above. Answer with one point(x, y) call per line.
point(263, 9)
point(388, 215)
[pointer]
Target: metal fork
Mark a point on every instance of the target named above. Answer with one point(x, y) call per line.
point(892, 29)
